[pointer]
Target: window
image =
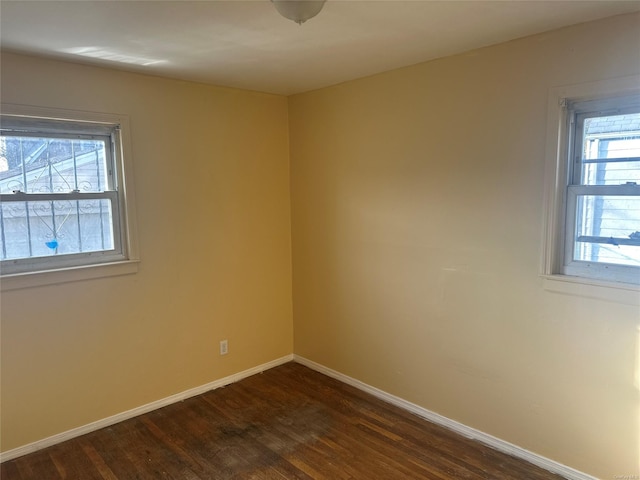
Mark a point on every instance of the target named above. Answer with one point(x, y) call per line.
point(62, 193)
point(595, 232)
point(603, 195)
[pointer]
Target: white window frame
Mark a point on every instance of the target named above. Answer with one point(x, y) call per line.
point(124, 258)
point(559, 196)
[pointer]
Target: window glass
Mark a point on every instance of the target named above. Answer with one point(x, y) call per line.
point(611, 150)
point(55, 227)
point(39, 165)
point(607, 229)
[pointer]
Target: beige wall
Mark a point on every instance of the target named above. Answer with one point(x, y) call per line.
point(417, 212)
point(212, 185)
point(417, 202)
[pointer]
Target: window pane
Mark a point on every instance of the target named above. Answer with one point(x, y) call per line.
point(611, 150)
point(47, 228)
point(608, 229)
point(51, 165)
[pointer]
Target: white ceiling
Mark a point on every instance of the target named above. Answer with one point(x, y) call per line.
point(247, 44)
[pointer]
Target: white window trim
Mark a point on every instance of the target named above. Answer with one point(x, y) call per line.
point(126, 200)
point(554, 197)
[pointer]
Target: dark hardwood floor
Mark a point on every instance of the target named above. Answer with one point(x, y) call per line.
point(286, 423)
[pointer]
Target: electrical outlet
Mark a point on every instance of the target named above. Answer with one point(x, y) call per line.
point(224, 347)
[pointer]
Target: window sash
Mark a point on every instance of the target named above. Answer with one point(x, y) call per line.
point(28, 264)
point(21, 125)
point(54, 128)
point(595, 269)
point(599, 109)
point(107, 139)
point(43, 197)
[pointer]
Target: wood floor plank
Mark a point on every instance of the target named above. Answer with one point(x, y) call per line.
point(287, 423)
point(98, 461)
point(70, 463)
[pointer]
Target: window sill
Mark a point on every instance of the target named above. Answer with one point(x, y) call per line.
point(64, 275)
point(625, 293)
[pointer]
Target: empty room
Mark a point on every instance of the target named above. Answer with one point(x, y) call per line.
point(320, 240)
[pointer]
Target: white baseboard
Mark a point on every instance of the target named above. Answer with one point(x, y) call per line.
point(469, 432)
point(106, 422)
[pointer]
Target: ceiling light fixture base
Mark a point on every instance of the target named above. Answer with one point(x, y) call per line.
point(298, 10)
